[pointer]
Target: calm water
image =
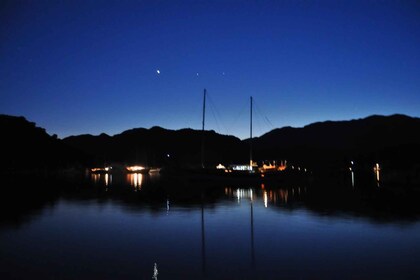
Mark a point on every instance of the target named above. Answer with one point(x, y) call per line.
point(118, 228)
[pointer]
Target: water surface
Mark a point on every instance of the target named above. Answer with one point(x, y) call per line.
point(110, 227)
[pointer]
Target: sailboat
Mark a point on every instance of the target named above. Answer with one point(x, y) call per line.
point(220, 166)
point(100, 170)
point(244, 168)
point(238, 173)
point(137, 169)
point(252, 172)
point(245, 172)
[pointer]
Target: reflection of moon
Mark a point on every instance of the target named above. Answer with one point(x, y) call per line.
point(158, 71)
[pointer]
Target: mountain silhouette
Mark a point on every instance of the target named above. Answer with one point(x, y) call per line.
point(27, 148)
point(158, 146)
point(392, 141)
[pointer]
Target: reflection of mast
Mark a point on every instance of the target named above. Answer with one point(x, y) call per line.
point(203, 240)
point(252, 233)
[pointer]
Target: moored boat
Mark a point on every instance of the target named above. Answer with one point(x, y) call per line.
point(137, 169)
point(101, 170)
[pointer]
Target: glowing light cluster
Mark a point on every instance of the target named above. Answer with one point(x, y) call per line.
point(101, 169)
point(220, 166)
point(135, 168)
point(135, 180)
point(243, 193)
point(273, 166)
point(242, 167)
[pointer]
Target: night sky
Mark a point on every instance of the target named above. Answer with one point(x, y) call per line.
point(86, 67)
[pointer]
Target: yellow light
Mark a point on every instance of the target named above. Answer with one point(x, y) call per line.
point(135, 168)
point(135, 180)
point(100, 169)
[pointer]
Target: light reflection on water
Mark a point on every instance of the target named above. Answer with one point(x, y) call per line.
point(237, 232)
point(135, 180)
point(271, 196)
point(101, 178)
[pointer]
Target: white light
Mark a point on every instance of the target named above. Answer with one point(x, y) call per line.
point(242, 167)
point(220, 166)
point(265, 199)
point(155, 272)
point(158, 71)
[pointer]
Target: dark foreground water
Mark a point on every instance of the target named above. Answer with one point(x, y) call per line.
point(143, 227)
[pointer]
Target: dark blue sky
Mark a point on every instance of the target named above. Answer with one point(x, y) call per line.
point(77, 67)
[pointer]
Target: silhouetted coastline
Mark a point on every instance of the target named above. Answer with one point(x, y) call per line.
point(325, 150)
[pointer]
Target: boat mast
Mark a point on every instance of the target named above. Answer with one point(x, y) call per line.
point(202, 132)
point(250, 138)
